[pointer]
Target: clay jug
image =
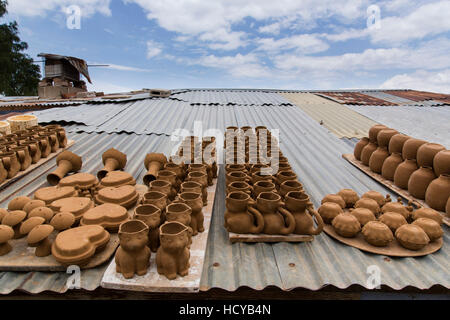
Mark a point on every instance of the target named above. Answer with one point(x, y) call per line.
point(277, 220)
point(192, 186)
point(23, 156)
point(170, 177)
point(263, 186)
point(10, 163)
point(44, 145)
point(194, 201)
point(438, 192)
point(419, 181)
point(367, 152)
point(201, 178)
point(290, 185)
point(158, 199)
point(373, 132)
point(298, 204)
point(240, 217)
point(163, 186)
point(359, 146)
point(404, 172)
point(283, 176)
point(377, 159)
point(390, 165)
point(33, 149)
point(52, 139)
point(60, 133)
point(410, 148)
point(151, 216)
point(427, 152)
point(240, 186)
point(441, 163)
point(384, 136)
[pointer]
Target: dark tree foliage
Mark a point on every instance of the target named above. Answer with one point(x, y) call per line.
point(18, 75)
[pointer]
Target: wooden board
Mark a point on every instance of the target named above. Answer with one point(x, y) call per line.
point(236, 237)
point(21, 174)
point(154, 282)
point(390, 184)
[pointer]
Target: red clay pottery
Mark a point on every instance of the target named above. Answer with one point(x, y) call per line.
point(133, 255)
point(33, 149)
point(346, 225)
point(172, 257)
point(158, 199)
point(6, 234)
point(112, 160)
point(290, 185)
point(175, 168)
point(153, 163)
point(419, 181)
point(334, 198)
point(363, 215)
point(241, 186)
point(62, 221)
point(50, 194)
point(427, 213)
point(359, 146)
point(201, 178)
point(277, 220)
point(163, 186)
point(38, 237)
point(78, 245)
point(350, 197)
point(182, 213)
point(151, 216)
point(384, 136)
point(52, 140)
point(396, 143)
point(283, 176)
point(368, 203)
point(378, 197)
point(263, 186)
point(42, 212)
point(23, 156)
point(427, 152)
point(60, 133)
point(412, 237)
point(374, 130)
point(240, 216)
point(398, 207)
point(301, 208)
point(67, 162)
point(438, 192)
point(377, 159)
point(195, 202)
point(10, 163)
point(29, 224)
point(75, 205)
point(236, 176)
point(329, 210)
point(390, 165)
point(126, 196)
point(441, 162)
point(410, 148)
point(108, 215)
point(201, 168)
point(192, 186)
point(18, 203)
point(377, 233)
point(404, 172)
point(14, 219)
point(393, 220)
point(431, 227)
point(117, 179)
point(170, 177)
point(235, 167)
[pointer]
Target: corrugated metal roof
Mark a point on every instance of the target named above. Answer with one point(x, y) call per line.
point(403, 101)
point(337, 118)
point(421, 95)
point(351, 97)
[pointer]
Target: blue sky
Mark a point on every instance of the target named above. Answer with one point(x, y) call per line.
point(286, 44)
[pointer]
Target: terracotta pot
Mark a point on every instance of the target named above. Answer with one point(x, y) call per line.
point(178, 169)
point(377, 159)
point(23, 156)
point(52, 140)
point(301, 208)
point(201, 178)
point(192, 186)
point(373, 132)
point(290, 185)
point(263, 186)
point(359, 146)
point(410, 148)
point(235, 167)
point(195, 202)
point(277, 220)
point(112, 160)
point(66, 162)
point(427, 152)
point(151, 216)
point(258, 168)
point(384, 137)
point(181, 213)
point(60, 133)
point(367, 152)
point(133, 255)
point(346, 225)
point(404, 172)
point(201, 168)
point(283, 176)
point(44, 145)
point(153, 163)
point(10, 163)
point(170, 177)
point(240, 217)
point(390, 165)
point(441, 162)
point(163, 186)
point(240, 186)
point(438, 192)
point(33, 149)
point(158, 199)
point(419, 181)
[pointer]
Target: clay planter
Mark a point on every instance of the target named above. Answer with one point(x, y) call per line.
point(158, 199)
point(427, 152)
point(44, 145)
point(66, 162)
point(110, 216)
point(363, 215)
point(117, 179)
point(412, 237)
point(172, 257)
point(398, 207)
point(23, 156)
point(240, 217)
point(241, 186)
point(393, 220)
point(377, 233)
point(201, 168)
point(283, 176)
point(404, 172)
point(441, 162)
point(151, 216)
point(50, 194)
point(334, 198)
point(170, 177)
point(125, 196)
point(438, 192)
point(390, 165)
point(60, 133)
point(14, 219)
point(195, 202)
point(384, 137)
point(192, 186)
point(112, 160)
point(153, 163)
point(419, 181)
point(235, 167)
point(62, 221)
point(396, 143)
point(290, 185)
point(182, 213)
point(377, 159)
point(378, 197)
point(201, 178)
point(431, 227)
point(263, 186)
point(301, 208)
point(236, 176)
point(6, 234)
point(374, 130)
point(368, 203)
point(75, 205)
point(359, 146)
point(410, 148)
point(346, 225)
point(277, 220)
point(427, 213)
point(18, 203)
point(10, 163)
point(177, 169)
point(33, 149)
point(350, 197)
point(52, 140)
point(163, 186)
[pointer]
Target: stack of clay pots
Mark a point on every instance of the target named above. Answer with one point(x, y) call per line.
point(264, 195)
point(380, 220)
point(415, 165)
point(22, 148)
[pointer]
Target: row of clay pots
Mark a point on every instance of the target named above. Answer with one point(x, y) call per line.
point(380, 220)
point(417, 166)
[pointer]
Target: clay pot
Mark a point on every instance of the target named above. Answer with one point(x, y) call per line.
point(44, 145)
point(393, 220)
point(6, 234)
point(290, 185)
point(195, 202)
point(192, 186)
point(374, 130)
point(438, 192)
point(329, 210)
point(60, 133)
point(201, 178)
point(378, 197)
point(441, 162)
point(283, 176)
point(427, 152)
point(350, 197)
point(258, 176)
point(170, 177)
point(158, 199)
point(346, 225)
point(334, 198)
point(112, 160)
point(164, 187)
point(412, 237)
point(410, 148)
point(153, 163)
point(172, 257)
point(359, 146)
point(202, 168)
point(240, 217)
point(151, 216)
point(419, 181)
point(363, 215)
point(398, 207)
point(377, 159)
point(33, 149)
point(367, 152)
point(384, 136)
point(277, 220)
point(178, 169)
point(368, 203)
point(23, 156)
point(235, 167)
point(427, 213)
point(133, 255)
point(236, 176)
point(404, 172)
point(390, 165)
point(240, 186)
point(431, 227)
point(301, 208)
point(377, 233)
point(67, 162)
point(263, 186)
point(52, 140)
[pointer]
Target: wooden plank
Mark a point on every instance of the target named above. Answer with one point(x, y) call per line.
point(21, 174)
point(154, 282)
point(236, 237)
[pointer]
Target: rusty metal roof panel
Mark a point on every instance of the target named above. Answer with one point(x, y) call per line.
point(356, 98)
point(421, 95)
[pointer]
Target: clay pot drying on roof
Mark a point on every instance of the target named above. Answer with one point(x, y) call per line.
point(390, 165)
point(112, 160)
point(403, 173)
point(359, 146)
point(240, 216)
point(67, 162)
point(419, 182)
point(441, 163)
point(301, 208)
point(427, 152)
point(438, 192)
point(410, 148)
point(153, 163)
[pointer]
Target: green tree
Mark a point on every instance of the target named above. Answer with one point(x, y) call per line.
point(18, 75)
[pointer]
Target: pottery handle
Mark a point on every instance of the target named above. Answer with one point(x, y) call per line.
point(21, 155)
point(289, 221)
point(319, 219)
point(33, 149)
point(251, 202)
point(259, 220)
point(6, 163)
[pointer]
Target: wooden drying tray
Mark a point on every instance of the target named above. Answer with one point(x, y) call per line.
point(21, 174)
point(390, 185)
point(154, 282)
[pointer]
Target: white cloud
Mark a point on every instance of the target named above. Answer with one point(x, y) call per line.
point(273, 28)
point(126, 68)
point(437, 81)
point(222, 39)
point(41, 7)
point(107, 87)
point(153, 49)
point(303, 43)
point(242, 66)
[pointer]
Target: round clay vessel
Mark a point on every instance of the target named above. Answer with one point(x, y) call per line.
point(359, 146)
point(377, 159)
point(396, 143)
point(427, 152)
point(42, 212)
point(412, 237)
point(329, 210)
point(32, 205)
point(163, 186)
point(384, 137)
point(393, 220)
point(404, 172)
point(290, 185)
point(438, 192)
point(346, 225)
point(374, 130)
point(18, 203)
point(410, 148)
point(397, 207)
point(431, 227)
point(390, 165)
point(377, 233)
point(62, 221)
point(350, 197)
point(367, 151)
point(6, 234)
point(378, 197)
point(363, 215)
point(334, 198)
point(240, 217)
point(441, 162)
point(368, 203)
point(419, 182)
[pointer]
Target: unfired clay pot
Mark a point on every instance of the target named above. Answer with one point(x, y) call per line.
point(390, 165)
point(163, 186)
point(301, 208)
point(171, 177)
point(367, 152)
point(240, 217)
point(53, 142)
point(6, 234)
point(151, 216)
point(384, 136)
point(23, 156)
point(350, 197)
point(195, 202)
point(377, 233)
point(441, 162)
point(438, 192)
point(329, 210)
point(60, 134)
point(404, 172)
point(112, 160)
point(378, 197)
point(283, 176)
point(359, 146)
point(178, 169)
point(427, 152)
point(277, 220)
point(10, 163)
point(419, 182)
point(398, 207)
point(153, 163)
point(374, 130)
point(427, 213)
point(182, 213)
point(370, 204)
point(334, 198)
point(241, 186)
point(393, 220)
point(410, 148)
point(363, 215)
point(396, 143)
point(412, 237)
point(67, 162)
point(346, 225)
point(263, 186)
point(33, 149)
point(201, 178)
point(133, 255)
point(431, 227)
point(193, 186)
point(290, 185)
point(377, 159)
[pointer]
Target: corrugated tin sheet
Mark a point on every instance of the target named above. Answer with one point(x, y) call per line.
point(403, 101)
point(337, 118)
point(429, 123)
point(421, 95)
point(356, 98)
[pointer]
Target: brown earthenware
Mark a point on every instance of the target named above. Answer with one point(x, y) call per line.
point(346, 225)
point(427, 213)
point(396, 143)
point(334, 198)
point(53, 142)
point(163, 186)
point(393, 220)
point(240, 216)
point(290, 185)
point(403, 173)
point(438, 192)
point(38, 237)
point(377, 159)
point(384, 136)
point(363, 215)
point(240, 186)
point(419, 182)
point(301, 208)
point(441, 162)
point(18, 203)
point(60, 133)
point(378, 197)
point(370, 204)
point(14, 219)
point(6, 234)
point(67, 162)
point(350, 197)
point(33, 149)
point(112, 160)
point(329, 210)
point(23, 156)
point(398, 207)
point(374, 130)
point(377, 233)
point(410, 148)
point(427, 152)
point(390, 165)
point(108, 215)
point(277, 220)
point(263, 186)
point(195, 202)
point(283, 176)
point(359, 146)
point(151, 216)
point(412, 237)
point(153, 163)
point(201, 178)
point(431, 227)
